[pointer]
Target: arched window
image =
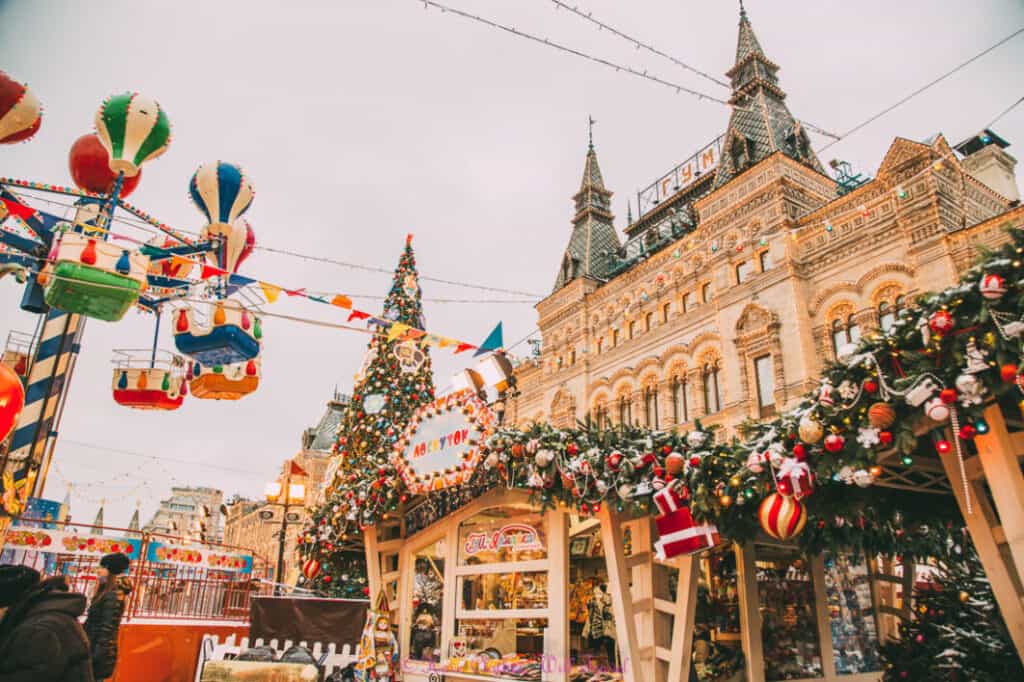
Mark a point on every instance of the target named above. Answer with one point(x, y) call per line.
point(886, 315)
point(712, 388)
point(844, 332)
point(651, 406)
point(680, 408)
point(625, 411)
point(852, 329)
point(601, 416)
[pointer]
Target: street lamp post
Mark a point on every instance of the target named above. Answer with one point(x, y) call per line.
point(290, 493)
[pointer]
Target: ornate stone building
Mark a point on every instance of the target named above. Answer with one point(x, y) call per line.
point(749, 266)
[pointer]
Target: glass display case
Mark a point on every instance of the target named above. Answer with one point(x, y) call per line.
point(852, 622)
point(717, 650)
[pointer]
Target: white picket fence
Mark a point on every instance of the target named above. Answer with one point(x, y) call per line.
point(327, 657)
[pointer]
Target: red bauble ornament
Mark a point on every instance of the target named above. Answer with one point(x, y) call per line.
point(834, 442)
point(88, 162)
point(800, 452)
point(649, 459)
point(327, 578)
point(572, 449)
point(871, 386)
point(968, 432)
point(885, 437)
point(1008, 373)
point(695, 461)
point(948, 395)
point(992, 286)
point(614, 460)
point(941, 322)
point(12, 399)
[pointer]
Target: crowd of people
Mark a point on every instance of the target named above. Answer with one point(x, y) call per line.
point(42, 636)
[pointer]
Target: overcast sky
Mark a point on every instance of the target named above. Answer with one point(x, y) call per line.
point(362, 120)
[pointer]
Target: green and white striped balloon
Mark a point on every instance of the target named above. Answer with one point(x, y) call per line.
point(134, 129)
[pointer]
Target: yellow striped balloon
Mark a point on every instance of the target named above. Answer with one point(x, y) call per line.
point(782, 517)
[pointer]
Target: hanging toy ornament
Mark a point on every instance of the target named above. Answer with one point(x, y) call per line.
point(941, 322)
point(810, 429)
point(834, 442)
point(133, 129)
point(311, 569)
point(992, 286)
point(825, 393)
point(795, 478)
point(674, 463)
point(20, 113)
point(12, 399)
point(782, 517)
point(936, 410)
point(881, 415)
point(89, 164)
point(222, 192)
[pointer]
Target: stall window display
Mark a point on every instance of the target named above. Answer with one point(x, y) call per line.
point(851, 615)
point(492, 591)
point(427, 590)
point(789, 622)
point(717, 653)
point(594, 644)
point(509, 648)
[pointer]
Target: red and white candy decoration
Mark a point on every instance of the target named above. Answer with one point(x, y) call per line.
point(20, 112)
point(992, 286)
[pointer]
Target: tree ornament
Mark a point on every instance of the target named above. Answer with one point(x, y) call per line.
point(871, 386)
point(800, 452)
point(862, 478)
point(782, 517)
point(795, 478)
point(881, 415)
point(1008, 373)
point(825, 392)
point(810, 429)
point(311, 569)
point(543, 458)
point(885, 437)
point(936, 410)
point(968, 432)
point(948, 395)
point(834, 442)
point(754, 462)
point(941, 322)
point(695, 439)
point(992, 286)
point(613, 460)
point(674, 463)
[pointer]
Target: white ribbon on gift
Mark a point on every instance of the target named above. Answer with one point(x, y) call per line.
point(709, 531)
point(794, 469)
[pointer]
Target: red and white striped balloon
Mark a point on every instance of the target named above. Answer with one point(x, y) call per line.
point(20, 112)
point(782, 517)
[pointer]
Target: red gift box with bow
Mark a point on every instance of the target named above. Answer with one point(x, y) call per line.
point(678, 533)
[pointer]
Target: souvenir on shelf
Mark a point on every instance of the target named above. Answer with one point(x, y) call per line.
point(224, 382)
point(232, 335)
point(149, 381)
point(94, 278)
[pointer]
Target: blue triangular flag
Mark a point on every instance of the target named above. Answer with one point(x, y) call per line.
point(494, 341)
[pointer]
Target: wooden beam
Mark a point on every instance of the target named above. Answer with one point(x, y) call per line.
point(996, 450)
point(637, 558)
point(685, 613)
point(372, 563)
point(980, 524)
point(557, 639)
point(622, 600)
point(642, 578)
point(750, 614)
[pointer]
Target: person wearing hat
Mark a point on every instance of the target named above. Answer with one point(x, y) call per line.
point(41, 639)
point(105, 611)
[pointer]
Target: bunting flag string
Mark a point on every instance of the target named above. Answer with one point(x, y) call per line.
point(272, 292)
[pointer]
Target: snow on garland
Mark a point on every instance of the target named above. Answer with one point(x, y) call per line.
point(936, 366)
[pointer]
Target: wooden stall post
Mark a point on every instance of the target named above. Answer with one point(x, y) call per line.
point(999, 460)
point(557, 640)
point(750, 615)
point(372, 562)
point(680, 658)
point(622, 598)
point(982, 526)
point(641, 570)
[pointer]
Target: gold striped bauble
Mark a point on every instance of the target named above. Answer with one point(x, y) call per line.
point(782, 517)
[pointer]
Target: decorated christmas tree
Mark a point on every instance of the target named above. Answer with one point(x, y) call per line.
point(394, 380)
point(956, 632)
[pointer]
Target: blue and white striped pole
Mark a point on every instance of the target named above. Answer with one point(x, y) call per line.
point(47, 382)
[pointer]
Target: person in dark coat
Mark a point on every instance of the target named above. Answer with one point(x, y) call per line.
point(105, 611)
point(41, 639)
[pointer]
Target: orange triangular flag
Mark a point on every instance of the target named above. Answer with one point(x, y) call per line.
point(342, 301)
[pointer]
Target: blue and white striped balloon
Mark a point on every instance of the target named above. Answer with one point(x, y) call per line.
point(222, 192)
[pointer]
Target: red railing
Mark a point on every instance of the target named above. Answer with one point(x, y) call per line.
point(208, 581)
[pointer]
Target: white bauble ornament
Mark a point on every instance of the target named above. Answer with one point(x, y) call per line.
point(492, 460)
point(936, 410)
point(544, 458)
point(775, 457)
point(532, 446)
point(863, 478)
point(696, 438)
point(755, 462)
point(625, 491)
point(845, 475)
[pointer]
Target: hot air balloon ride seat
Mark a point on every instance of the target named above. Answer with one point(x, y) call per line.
point(94, 278)
point(144, 384)
point(232, 336)
point(224, 382)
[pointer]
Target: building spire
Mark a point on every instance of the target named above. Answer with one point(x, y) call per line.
point(593, 239)
point(761, 123)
